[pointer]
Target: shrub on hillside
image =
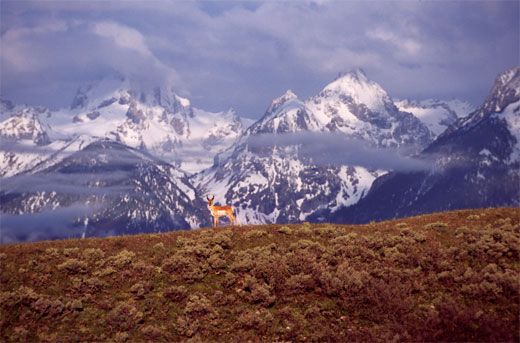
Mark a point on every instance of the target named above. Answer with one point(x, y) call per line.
point(300, 282)
point(105, 272)
point(123, 259)
point(255, 234)
point(125, 316)
point(436, 226)
point(175, 293)
point(255, 291)
point(93, 254)
point(153, 333)
point(259, 319)
point(186, 267)
point(285, 230)
point(71, 252)
point(197, 314)
point(48, 307)
point(73, 266)
point(140, 289)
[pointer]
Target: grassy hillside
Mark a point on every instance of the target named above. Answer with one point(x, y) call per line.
point(446, 276)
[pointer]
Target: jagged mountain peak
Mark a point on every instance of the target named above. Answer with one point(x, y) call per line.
point(289, 94)
point(87, 95)
point(23, 123)
point(355, 86)
point(286, 113)
point(282, 182)
point(356, 74)
point(152, 118)
point(476, 164)
point(120, 89)
point(280, 101)
point(505, 91)
point(510, 78)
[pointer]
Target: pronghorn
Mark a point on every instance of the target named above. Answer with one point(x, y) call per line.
point(220, 211)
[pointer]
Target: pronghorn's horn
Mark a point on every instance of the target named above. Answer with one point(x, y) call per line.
point(213, 198)
point(207, 197)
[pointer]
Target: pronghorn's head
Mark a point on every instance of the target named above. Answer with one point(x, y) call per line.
point(210, 201)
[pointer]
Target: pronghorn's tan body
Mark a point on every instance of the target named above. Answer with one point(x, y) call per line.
point(221, 211)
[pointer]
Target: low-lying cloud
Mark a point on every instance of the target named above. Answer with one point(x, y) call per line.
point(49, 224)
point(104, 183)
point(330, 149)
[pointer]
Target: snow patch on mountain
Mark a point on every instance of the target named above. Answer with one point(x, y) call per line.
point(506, 90)
point(121, 190)
point(24, 138)
point(511, 114)
point(437, 115)
point(23, 123)
point(279, 183)
point(477, 162)
point(356, 85)
point(156, 120)
point(361, 109)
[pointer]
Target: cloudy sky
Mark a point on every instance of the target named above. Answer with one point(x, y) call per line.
point(243, 54)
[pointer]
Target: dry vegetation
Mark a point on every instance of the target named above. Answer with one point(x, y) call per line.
point(442, 277)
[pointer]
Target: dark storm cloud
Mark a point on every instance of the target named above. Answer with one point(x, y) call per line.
point(336, 150)
point(242, 54)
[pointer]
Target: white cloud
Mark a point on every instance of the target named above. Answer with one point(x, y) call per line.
point(409, 45)
point(243, 54)
point(122, 36)
point(15, 47)
point(53, 54)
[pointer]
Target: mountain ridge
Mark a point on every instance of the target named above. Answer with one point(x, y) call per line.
point(281, 182)
point(476, 165)
point(116, 189)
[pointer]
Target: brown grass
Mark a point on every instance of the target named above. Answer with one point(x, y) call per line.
point(444, 277)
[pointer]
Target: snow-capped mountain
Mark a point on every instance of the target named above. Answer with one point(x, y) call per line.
point(437, 115)
point(360, 108)
point(286, 114)
point(282, 182)
point(104, 189)
point(24, 138)
point(23, 123)
point(477, 164)
point(115, 161)
point(156, 120)
point(67, 165)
